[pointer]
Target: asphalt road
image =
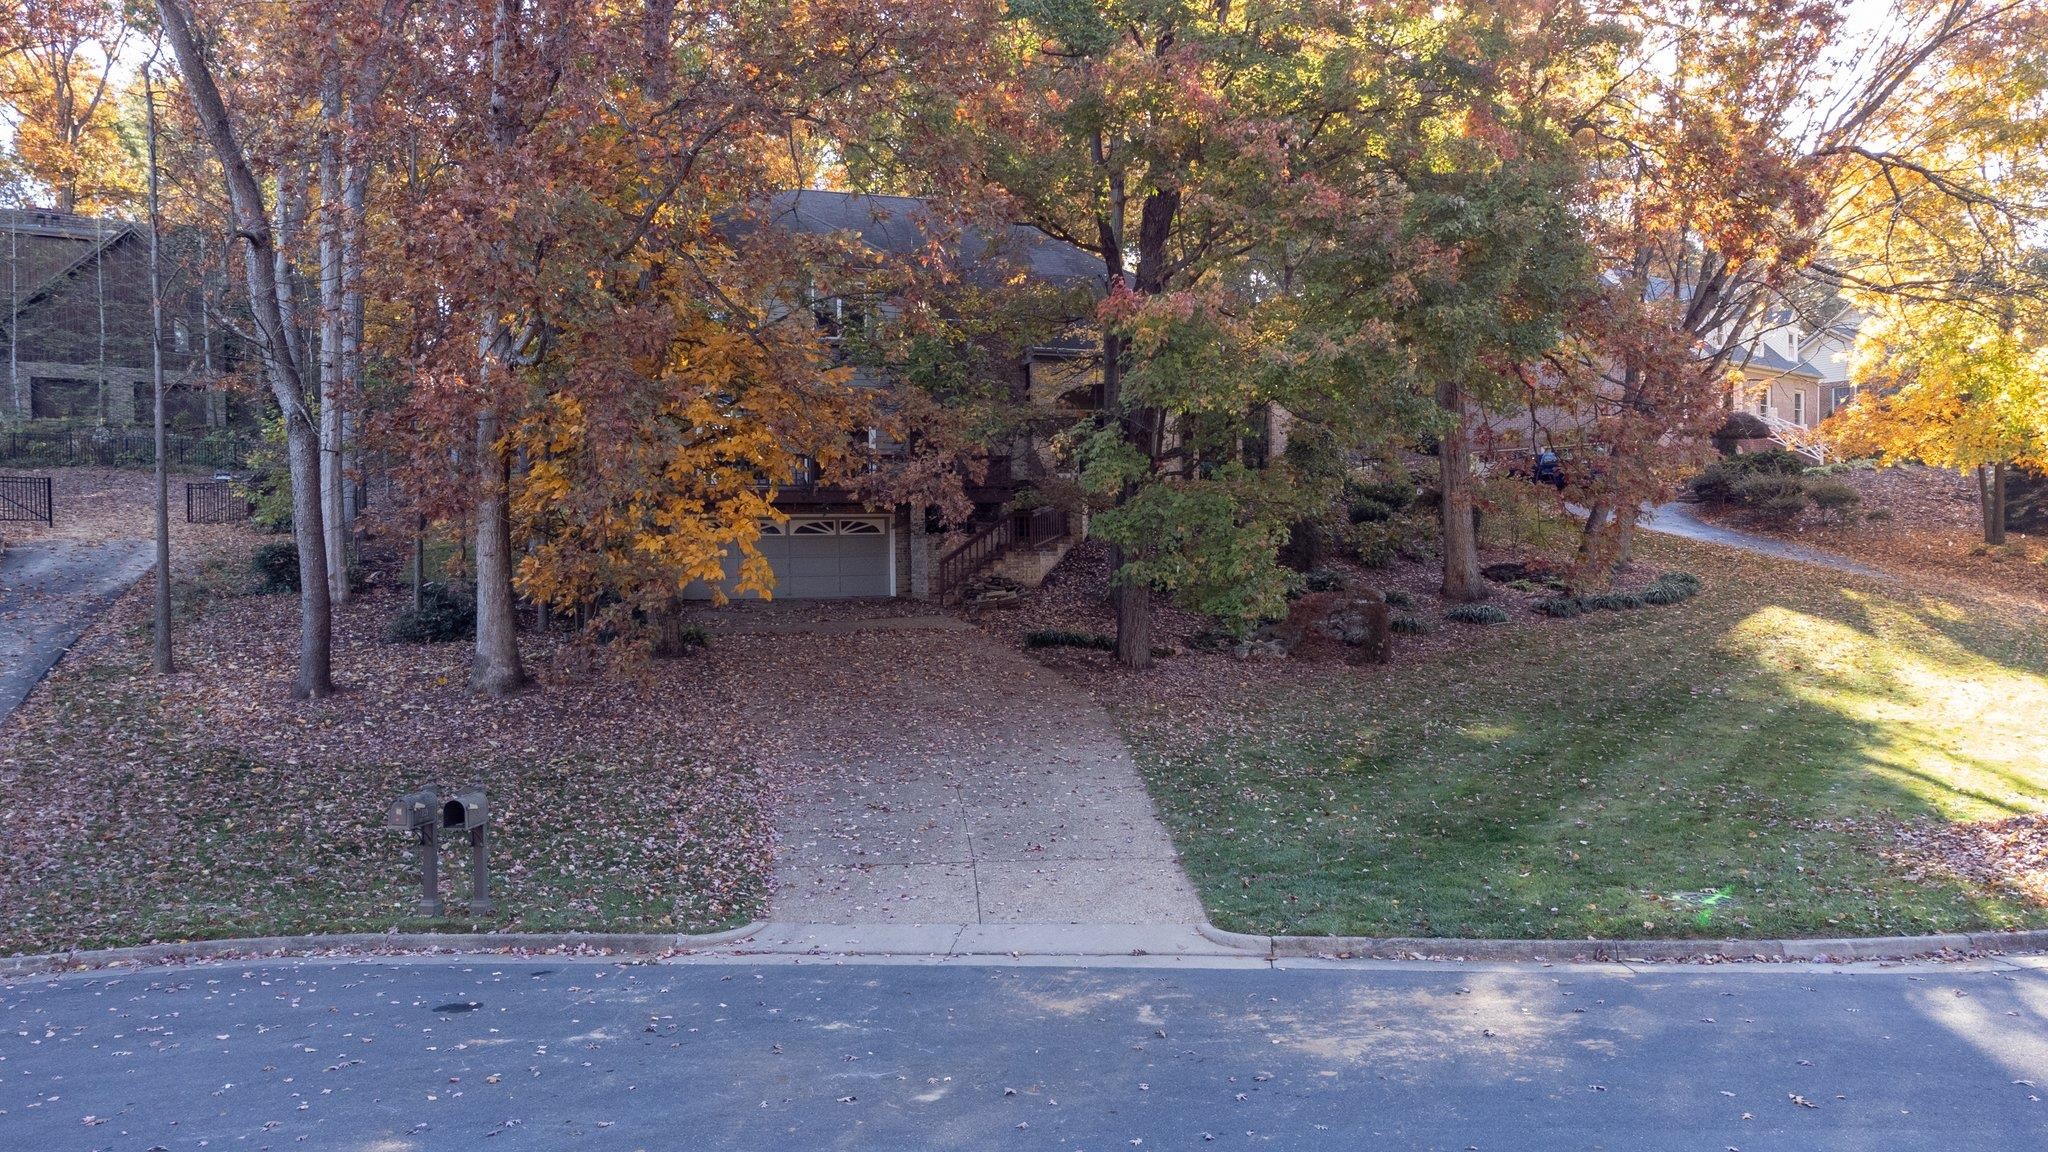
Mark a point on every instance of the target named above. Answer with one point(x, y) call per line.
point(530, 1054)
point(49, 592)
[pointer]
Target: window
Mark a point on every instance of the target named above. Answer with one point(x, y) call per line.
point(1799, 407)
point(835, 528)
point(61, 398)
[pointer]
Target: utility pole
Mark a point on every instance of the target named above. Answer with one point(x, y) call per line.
point(162, 657)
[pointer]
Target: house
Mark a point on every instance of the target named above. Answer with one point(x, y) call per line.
point(1797, 373)
point(834, 545)
point(75, 326)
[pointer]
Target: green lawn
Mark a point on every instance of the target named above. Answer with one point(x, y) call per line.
point(1727, 766)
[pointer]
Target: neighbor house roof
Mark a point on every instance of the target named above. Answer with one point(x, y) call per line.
point(1763, 359)
point(906, 226)
point(39, 247)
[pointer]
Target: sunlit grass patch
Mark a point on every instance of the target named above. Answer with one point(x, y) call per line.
point(1728, 766)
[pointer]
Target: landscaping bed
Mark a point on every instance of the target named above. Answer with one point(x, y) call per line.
point(1790, 753)
point(208, 804)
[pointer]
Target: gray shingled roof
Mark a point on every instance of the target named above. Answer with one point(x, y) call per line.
point(903, 225)
point(1766, 360)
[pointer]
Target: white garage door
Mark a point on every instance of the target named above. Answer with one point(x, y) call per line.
point(821, 558)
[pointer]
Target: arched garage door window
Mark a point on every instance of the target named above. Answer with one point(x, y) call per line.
point(823, 558)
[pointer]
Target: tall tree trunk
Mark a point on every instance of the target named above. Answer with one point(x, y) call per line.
point(1133, 621)
point(1462, 582)
point(354, 195)
point(291, 213)
point(332, 477)
point(496, 669)
point(302, 445)
point(160, 649)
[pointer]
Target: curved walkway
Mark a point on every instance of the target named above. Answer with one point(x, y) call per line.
point(1679, 518)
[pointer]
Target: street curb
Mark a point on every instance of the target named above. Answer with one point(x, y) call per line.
point(1448, 948)
point(624, 944)
point(689, 943)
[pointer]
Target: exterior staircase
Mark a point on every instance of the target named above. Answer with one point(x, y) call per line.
point(1019, 548)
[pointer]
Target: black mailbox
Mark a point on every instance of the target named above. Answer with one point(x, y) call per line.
point(412, 811)
point(464, 812)
point(424, 814)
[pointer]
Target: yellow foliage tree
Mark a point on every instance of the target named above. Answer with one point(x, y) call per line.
point(1938, 243)
point(61, 95)
point(657, 462)
point(1953, 388)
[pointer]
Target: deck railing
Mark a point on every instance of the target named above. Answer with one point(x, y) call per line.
point(1024, 528)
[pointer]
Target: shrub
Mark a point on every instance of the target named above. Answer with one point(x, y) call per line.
point(446, 613)
point(674, 639)
point(1393, 495)
point(1878, 514)
point(1716, 483)
point(1561, 607)
point(1397, 598)
point(1832, 497)
point(1409, 625)
point(1776, 461)
point(1613, 601)
point(1772, 494)
point(1323, 580)
point(1738, 426)
point(1685, 580)
point(1054, 638)
point(1378, 544)
point(1367, 511)
point(277, 563)
point(1476, 614)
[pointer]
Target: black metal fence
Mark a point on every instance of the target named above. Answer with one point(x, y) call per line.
point(102, 447)
point(213, 502)
point(26, 498)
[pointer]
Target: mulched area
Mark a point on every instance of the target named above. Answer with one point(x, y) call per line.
point(209, 803)
point(1931, 530)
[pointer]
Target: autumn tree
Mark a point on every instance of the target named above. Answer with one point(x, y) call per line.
point(1179, 143)
point(1724, 150)
point(588, 334)
point(1937, 240)
point(267, 292)
point(60, 95)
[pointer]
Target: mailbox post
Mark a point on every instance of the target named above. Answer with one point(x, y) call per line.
point(426, 815)
point(420, 813)
point(467, 812)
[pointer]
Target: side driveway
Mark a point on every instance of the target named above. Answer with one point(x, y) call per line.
point(50, 591)
point(939, 778)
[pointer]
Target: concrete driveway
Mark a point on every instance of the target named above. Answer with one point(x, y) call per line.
point(946, 785)
point(50, 591)
point(1679, 518)
point(505, 1054)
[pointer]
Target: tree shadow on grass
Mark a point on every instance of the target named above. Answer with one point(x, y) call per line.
point(1740, 764)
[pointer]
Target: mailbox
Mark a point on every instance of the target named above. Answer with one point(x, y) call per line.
point(412, 811)
point(464, 812)
point(424, 814)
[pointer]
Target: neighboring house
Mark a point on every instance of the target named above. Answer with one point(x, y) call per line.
point(834, 545)
point(75, 326)
point(1797, 373)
